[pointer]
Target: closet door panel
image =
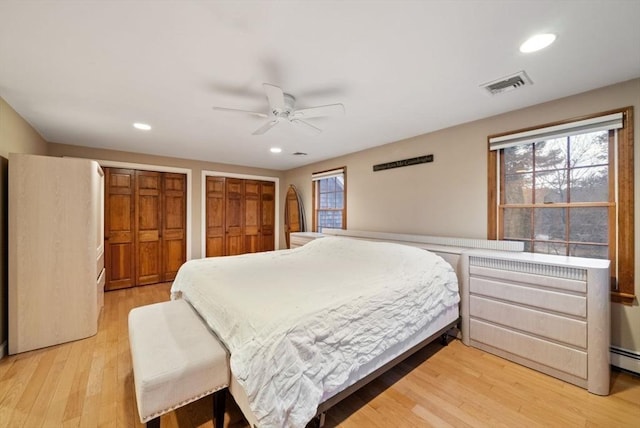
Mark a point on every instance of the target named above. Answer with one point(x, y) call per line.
point(148, 246)
point(215, 216)
point(174, 224)
point(252, 241)
point(119, 228)
point(234, 216)
point(268, 213)
point(240, 216)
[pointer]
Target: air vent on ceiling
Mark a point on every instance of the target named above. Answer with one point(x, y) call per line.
point(299, 154)
point(509, 83)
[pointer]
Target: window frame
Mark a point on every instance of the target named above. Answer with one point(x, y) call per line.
point(314, 193)
point(623, 286)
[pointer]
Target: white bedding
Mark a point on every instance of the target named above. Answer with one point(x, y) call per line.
point(299, 322)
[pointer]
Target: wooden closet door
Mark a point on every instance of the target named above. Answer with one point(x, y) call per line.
point(119, 228)
point(252, 238)
point(234, 216)
point(148, 221)
point(215, 218)
point(268, 214)
point(174, 206)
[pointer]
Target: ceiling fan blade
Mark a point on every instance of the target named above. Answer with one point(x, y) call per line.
point(264, 128)
point(306, 126)
point(255, 113)
point(275, 96)
point(328, 110)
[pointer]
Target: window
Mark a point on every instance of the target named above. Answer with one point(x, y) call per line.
point(567, 189)
point(329, 199)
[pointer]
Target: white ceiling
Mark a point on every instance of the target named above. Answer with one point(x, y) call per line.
point(81, 72)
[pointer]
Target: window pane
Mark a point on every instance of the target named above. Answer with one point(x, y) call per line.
point(550, 224)
point(331, 184)
point(551, 186)
point(518, 188)
point(594, 251)
point(518, 159)
point(551, 154)
point(323, 200)
point(337, 220)
point(517, 223)
point(589, 149)
point(589, 224)
point(331, 200)
point(590, 184)
point(329, 206)
point(559, 249)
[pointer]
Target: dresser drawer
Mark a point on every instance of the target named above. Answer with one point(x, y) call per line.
point(536, 279)
point(546, 325)
point(570, 304)
point(559, 357)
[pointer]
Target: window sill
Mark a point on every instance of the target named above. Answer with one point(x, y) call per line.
point(624, 298)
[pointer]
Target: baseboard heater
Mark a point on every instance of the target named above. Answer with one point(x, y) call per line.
point(625, 359)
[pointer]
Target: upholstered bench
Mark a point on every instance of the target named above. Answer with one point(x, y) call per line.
point(176, 360)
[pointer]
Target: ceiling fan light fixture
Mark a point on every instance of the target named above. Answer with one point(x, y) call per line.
point(142, 126)
point(282, 108)
point(537, 42)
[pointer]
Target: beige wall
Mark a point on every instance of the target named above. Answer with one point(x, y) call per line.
point(16, 136)
point(449, 196)
point(196, 167)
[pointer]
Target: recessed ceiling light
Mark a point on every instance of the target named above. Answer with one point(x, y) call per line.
point(275, 150)
point(142, 126)
point(537, 42)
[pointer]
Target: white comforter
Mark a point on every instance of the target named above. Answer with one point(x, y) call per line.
point(299, 322)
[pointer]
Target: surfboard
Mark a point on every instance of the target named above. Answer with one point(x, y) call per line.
point(293, 214)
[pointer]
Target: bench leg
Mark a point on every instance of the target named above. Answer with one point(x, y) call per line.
point(219, 398)
point(154, 423)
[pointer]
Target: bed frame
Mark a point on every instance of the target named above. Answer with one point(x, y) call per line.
point(549, 313)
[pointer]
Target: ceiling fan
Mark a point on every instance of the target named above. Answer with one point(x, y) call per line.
point(282, 107)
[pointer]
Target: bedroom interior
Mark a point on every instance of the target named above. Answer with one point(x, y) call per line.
point(572, 333)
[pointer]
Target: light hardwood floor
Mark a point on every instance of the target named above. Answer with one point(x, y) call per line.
point(89, 383)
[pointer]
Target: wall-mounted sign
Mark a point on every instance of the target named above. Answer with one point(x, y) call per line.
point(404, 162)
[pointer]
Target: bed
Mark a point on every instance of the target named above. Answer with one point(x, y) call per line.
point(307, 325)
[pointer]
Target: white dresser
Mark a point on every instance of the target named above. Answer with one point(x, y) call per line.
point(550, 313)
point(56, 250)
point(298, 239)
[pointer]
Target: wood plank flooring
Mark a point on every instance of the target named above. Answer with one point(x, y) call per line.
point(88, 383)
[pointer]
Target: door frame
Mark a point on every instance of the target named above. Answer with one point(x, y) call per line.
point(161, 168)
point(203, 198)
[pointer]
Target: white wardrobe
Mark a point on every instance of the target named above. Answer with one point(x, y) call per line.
point(56, 250)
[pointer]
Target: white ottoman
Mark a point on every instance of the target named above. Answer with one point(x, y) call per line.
point(176, 360)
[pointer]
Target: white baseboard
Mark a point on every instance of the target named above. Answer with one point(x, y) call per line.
point(625, 359)
point(3, 350)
